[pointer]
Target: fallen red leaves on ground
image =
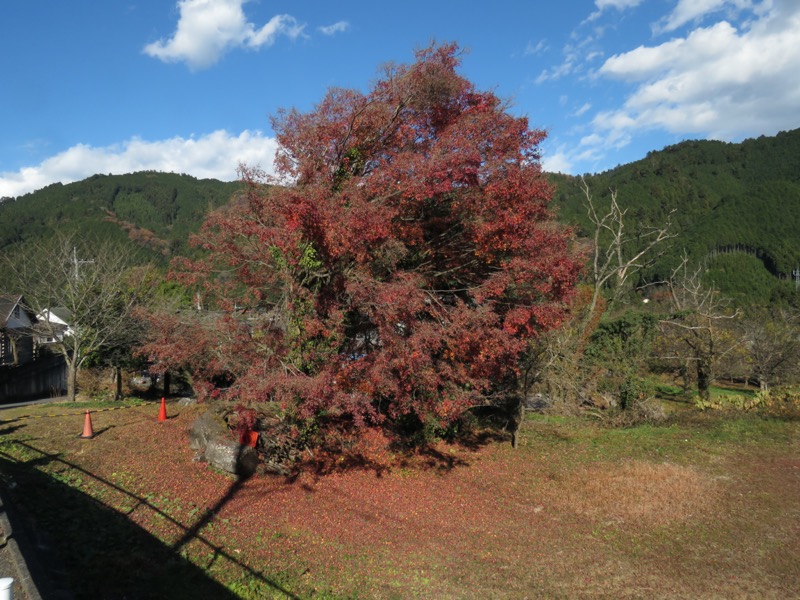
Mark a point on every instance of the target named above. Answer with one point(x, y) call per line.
point(478, 520)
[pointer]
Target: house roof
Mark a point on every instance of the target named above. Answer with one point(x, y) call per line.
point(62, 313)
point(7, 304)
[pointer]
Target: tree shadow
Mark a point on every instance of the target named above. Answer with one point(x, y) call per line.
point(439, 461)
point(103, 552)
point(10, 429)
point(474, 441)
point(193, 532)
point(99, 432)
point(405, 455)
point(343, 463)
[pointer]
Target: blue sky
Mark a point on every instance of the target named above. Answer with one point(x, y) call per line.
point(189, 86)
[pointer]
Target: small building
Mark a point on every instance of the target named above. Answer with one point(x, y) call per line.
point(17, 344)
point(53, 325)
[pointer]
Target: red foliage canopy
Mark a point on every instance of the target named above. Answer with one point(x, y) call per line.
point(402, 265)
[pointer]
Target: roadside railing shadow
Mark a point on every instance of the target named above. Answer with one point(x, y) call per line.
point(105, 554)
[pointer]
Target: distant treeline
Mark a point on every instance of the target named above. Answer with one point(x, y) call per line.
point(725, 196)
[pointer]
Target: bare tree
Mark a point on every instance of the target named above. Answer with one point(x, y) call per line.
point(773, 347)
point(90, 285)
point(616, 253)
point(698, 333)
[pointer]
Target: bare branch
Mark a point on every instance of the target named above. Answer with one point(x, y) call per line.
point(610, 261)
point(98, 292)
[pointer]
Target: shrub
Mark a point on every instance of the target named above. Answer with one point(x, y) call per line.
point(780, 402)
point(647, 411)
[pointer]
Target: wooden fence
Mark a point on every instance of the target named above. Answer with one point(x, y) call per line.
point(43, 378)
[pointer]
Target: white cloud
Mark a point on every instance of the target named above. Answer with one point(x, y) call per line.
point(603, 5)
point(618, 4)
point(531, 49)
point(687, 11)
point(582, 110)
point(557, 72)
point(216, 155)
point(558, 162)
point(592, 139)
point(718, 81)
point(572, 63)
point(593, 55)
point(338, 27)
point(207, 29)
point(581, 50)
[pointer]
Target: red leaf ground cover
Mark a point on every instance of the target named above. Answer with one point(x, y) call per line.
point(573, 513)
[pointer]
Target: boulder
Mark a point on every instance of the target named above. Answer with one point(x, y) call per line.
point(210, 437)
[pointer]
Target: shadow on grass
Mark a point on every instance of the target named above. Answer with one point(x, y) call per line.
point(440, 457)
point(104, 553)
point(11, 429)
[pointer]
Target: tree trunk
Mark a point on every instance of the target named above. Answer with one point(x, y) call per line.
point(704, 378)
point(687, 381)
point(14, 353)
point(167, 382)
point(72, 379)
point(517, 418)
point(118, 381)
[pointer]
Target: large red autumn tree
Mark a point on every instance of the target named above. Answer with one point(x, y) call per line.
point(400, 266)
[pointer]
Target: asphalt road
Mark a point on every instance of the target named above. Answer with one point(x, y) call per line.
point(31, 402)
point(8, 569)
point(12, 562)
point(27, 560)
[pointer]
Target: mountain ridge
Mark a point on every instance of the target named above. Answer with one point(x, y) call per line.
point(725, 196)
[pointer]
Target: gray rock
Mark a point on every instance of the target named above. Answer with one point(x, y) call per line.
point(211, 439)
point(537, 401)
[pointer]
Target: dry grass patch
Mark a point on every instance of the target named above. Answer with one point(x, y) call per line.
point(647, 493)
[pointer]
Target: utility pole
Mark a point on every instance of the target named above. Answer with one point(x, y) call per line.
point(77, 262)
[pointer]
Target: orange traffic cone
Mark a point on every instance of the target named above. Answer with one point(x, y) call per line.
point(162, 413)
point(249, 438)
point(88, 432)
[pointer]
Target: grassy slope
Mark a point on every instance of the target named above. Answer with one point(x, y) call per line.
point(705, 507)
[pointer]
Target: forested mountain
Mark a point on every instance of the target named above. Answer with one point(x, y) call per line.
point(154, 212)
point(737, 208)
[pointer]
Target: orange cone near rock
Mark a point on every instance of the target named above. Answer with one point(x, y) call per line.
point(88, 432)
point(162, 413)
point(249, 438)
